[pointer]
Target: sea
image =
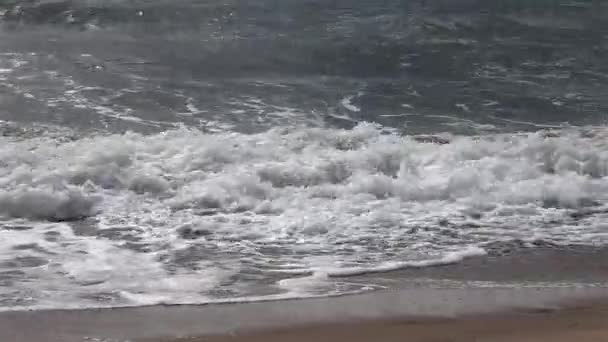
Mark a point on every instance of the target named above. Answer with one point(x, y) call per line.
point(215, 151)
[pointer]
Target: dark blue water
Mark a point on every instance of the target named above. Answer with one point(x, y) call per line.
point(421, 66)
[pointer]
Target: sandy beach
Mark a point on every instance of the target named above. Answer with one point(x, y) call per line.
point(584, 323)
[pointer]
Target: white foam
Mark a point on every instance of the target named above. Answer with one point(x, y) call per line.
point(448, 258)
point(531, 124)
point(285, 201)
point(490, 103)
point(309, 162)
point(347, 103)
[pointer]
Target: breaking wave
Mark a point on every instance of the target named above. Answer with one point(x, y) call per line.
point(284, 203)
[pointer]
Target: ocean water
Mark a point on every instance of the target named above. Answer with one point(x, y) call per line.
point(190, 151)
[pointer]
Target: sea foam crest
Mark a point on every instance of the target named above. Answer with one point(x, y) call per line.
point(291, 178)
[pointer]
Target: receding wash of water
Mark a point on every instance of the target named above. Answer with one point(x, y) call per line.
point(209, 151)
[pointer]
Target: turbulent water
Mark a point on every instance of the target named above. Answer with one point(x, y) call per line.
point(195, 151)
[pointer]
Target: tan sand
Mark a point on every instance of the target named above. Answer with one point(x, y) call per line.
point(581, 324)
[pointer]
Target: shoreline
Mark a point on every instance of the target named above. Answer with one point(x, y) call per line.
point(297, 317)
point(507, 287)
point(581, 323)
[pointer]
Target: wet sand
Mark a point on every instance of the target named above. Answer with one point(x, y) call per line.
point(461, 309)
point(581, 324)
